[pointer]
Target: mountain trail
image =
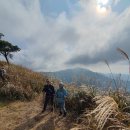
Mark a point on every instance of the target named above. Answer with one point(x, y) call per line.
point(28, 116)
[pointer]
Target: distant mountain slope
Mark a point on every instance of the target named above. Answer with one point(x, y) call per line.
point(124, 77)
point(79, 76)
point(122, 80)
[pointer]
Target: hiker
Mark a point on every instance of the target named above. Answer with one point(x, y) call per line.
point(49, 95)
point(3, 74)
point(61, 94)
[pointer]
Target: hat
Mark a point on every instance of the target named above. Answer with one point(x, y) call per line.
point(61, 84)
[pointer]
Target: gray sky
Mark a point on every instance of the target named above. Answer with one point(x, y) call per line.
point(62, 34)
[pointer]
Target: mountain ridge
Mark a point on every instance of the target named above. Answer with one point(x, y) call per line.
point(79, 76)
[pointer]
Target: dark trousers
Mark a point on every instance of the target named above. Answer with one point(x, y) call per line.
point(48, 99)
point(2, 77)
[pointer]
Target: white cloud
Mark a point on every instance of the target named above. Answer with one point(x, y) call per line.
point(48, 43)
point(116, 1)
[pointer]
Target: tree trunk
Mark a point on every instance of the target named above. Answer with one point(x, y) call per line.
point(6, 57)
point(7, 60)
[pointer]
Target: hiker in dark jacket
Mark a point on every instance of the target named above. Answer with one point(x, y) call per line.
point(49, 95)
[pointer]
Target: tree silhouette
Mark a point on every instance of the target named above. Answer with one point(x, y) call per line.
point(1, 35)
point(7, 48)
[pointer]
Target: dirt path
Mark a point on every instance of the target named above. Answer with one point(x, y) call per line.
point(27, 116)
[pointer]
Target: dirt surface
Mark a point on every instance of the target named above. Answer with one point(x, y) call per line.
point(28, 116)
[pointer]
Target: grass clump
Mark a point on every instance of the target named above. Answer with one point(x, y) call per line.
point(120, 98)
point(78, 100)
point(106, 116)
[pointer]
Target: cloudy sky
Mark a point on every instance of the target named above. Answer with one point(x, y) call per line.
point(60, 34)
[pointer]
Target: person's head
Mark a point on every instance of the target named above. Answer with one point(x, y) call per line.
point(61, 85)
point(51, 83)
point(47, 81)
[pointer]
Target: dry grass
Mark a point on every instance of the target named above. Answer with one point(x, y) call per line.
point(120, 98)
point(106, 107)
point(77, 102)
point(22, 83)
point(106, 116)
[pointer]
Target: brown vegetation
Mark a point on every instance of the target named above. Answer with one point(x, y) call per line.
point(109, 111)
point(21, 83)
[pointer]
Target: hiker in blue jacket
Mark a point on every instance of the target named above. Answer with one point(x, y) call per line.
point(61, 94)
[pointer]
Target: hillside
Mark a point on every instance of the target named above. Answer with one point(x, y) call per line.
point(21, 83)
point(80, 76)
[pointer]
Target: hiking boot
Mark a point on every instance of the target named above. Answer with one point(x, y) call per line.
point(60, 113)
point(64, 114)
point(52, 109)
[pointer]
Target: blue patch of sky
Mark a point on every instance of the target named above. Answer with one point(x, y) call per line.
point(15, 41)
point(121, 6)
point(55, 7)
